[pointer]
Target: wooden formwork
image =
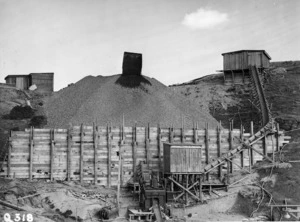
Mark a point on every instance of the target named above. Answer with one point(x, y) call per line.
point(91, 153)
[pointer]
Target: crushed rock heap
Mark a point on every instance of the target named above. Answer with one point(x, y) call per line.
point(104, 99)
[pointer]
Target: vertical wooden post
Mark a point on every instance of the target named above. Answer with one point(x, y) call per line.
point(171, 134)
point(242, 139)
point(81, 153)
point(273, 149)
point(108, 130)
point(186, 186)
point(182, 131)
point(265, 144)
point(119, 181)
point(95, 140)
point(277, 137)
point(230, 145)
point(219, 132)
point(148, 144)
point(9, 156)
point(243, 76)
point(159, 147)
point(122, 142)
point(52, 154)
point(172, 183)
point(207, 148)
point(251, 134)
point(134, 143)
point(228, 172)
point(200, 188)
point(30, 152)
point(69, 141)
point(195, 133)
point(122, 131)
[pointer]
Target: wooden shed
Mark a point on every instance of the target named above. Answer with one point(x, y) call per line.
point(43, 81)
point(182, 158)
point(132, 63)
point(18, 81)
point(236, 64)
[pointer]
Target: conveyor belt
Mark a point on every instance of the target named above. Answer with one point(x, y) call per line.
point(258, 93)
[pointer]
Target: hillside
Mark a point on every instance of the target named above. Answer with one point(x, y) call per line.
point(283, 89)
point(103, 100)
point(233, 103)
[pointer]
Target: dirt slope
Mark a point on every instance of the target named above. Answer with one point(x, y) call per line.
point(226, 103)
point(104, 99)
point(283, 93)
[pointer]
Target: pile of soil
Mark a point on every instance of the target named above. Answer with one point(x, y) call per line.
point(102, 100)
point(287, 180)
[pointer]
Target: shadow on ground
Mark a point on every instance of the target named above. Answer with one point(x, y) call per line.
point(132, 81)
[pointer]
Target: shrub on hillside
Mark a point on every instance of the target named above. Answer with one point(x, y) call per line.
point(21, 112)
point(38, 121)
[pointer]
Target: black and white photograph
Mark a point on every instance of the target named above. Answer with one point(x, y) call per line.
point(149, 110)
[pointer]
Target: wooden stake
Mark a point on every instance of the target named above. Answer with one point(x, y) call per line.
point(81, 153)
point(9, 156)
point(171, 134)
point(186, 186)
point(134, 143)
point(207, 148)
point(69, 140)
point(228, 172)
point(219, 132)
point(273, 150)
point(119, 181)
point(30, 152)
point(265, 143)
point(230, 145)
point(251, 133)
point(200, 189)
point(242, 139)
point(195, 133)
point(277, 137)
point(95, 140)
point(148, 144)
point(108, 156)
point(122, 142)
point(182, 131)
point(159, 147)
point(52, 154)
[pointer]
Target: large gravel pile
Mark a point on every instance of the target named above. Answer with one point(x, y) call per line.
point(105, 99)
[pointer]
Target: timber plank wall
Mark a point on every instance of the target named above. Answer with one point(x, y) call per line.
point(77, 153)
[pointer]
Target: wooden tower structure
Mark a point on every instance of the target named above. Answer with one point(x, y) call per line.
point(236, 65)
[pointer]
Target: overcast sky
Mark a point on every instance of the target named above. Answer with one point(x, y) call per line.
point(180, 39)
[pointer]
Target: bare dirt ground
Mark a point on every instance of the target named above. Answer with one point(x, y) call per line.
point(55, 201)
